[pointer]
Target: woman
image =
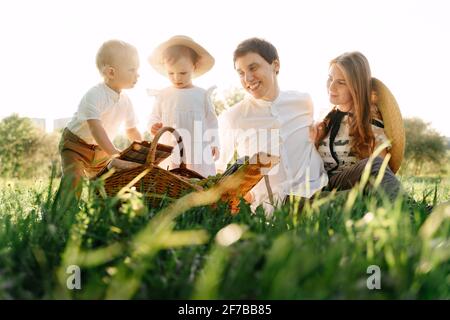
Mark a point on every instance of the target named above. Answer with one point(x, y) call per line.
point(353, 129)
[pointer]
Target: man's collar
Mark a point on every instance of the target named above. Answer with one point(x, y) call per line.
point(266, 103)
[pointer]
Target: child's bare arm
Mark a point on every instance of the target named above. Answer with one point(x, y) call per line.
point(100, 136)
point(133, 134)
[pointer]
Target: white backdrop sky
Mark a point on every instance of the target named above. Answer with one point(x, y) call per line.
point(47, 57)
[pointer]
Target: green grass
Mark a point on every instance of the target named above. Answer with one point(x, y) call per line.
point(126, 250)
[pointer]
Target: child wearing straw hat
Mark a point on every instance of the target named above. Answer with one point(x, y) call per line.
point(85, 145)
point(184, 106)
point(354, 128)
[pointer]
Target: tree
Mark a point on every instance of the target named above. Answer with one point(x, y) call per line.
point(229, 98)
point(25, 150)
point(423, 145)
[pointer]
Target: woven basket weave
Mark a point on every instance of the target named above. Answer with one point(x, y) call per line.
point(138, 152)
point(155, 181)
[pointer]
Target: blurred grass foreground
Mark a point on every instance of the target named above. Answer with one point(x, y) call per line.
point(337, 246)
point(54, 247)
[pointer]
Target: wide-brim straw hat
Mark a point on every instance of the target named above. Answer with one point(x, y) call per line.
point(203, 65)
point(393, 122)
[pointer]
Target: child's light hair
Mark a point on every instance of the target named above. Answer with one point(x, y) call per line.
point(173, 53)
point(113, 52)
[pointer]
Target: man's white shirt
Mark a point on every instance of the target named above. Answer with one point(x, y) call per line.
point(279, 127)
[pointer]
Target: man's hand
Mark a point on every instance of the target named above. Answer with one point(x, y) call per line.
point(234, 206)
point(155, 128)
point(234, 203)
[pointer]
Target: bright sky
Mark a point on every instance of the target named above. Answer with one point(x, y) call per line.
point(48, 47)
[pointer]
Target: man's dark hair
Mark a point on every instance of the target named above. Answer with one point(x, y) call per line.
point(260, 46)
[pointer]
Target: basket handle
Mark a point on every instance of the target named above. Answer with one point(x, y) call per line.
point(152, 153)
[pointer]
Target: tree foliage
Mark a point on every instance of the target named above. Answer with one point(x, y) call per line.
point(229, 98)
point(25, 150)
point(424, 146)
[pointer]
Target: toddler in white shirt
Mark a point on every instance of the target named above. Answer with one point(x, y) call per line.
point(185, 107)
point(86, 144)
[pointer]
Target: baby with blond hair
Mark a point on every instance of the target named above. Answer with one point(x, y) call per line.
point(86, 143)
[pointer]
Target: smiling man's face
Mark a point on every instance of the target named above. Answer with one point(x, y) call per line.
point(257, 76)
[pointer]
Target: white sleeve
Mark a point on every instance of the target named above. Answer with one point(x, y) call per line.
point(211, 122)
point(91, 106)
point(227, 141)
point(310, 108)
point(306, 110)
point(130, 120)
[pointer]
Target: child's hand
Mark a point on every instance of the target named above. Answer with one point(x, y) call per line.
point(155, 128)
point(215, 153)
point(122, 164)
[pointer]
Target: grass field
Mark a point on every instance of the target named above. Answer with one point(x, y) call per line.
point(127, 251)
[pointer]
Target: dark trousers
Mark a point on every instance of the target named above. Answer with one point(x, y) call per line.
point(349, 177)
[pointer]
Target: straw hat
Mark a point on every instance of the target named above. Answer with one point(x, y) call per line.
point(204, 64)
point(393, 122)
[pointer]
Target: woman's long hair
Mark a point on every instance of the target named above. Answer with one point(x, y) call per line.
point(356, 70)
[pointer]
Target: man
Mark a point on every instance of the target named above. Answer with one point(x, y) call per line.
point(272, 121)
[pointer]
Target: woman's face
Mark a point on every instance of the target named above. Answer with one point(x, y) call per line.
point(338, 89)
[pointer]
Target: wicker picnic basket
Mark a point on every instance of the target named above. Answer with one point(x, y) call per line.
point(154, 182)
point(138, 152)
